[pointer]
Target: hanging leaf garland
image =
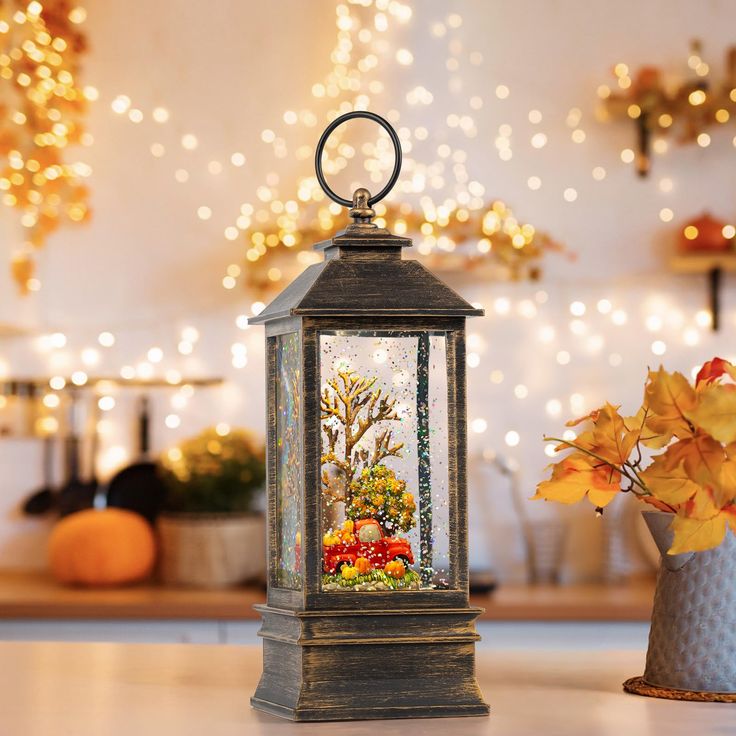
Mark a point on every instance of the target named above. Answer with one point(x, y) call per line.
point(41, 109)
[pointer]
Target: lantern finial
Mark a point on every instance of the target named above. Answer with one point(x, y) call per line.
point(361, 211)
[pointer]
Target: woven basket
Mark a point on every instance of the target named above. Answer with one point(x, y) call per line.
point(211, 551)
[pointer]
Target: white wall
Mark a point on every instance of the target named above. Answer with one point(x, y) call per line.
point(146, 266)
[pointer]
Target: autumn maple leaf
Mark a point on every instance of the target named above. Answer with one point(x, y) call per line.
point(713, 369)
point(715, 411)
point(577, 476)
point(667, 397)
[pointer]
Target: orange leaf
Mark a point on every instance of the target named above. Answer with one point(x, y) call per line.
point(668, 396)
point(577, 476)
point(714, 369)
point(700, 456)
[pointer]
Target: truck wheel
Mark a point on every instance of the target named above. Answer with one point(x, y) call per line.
point(339, 566)
point(403, 559)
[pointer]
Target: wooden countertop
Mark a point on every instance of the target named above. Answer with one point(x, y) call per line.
point(33, 595)
point(190, 690)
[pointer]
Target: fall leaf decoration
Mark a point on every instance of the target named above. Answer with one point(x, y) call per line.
point(457, 240)
point(657, 107)
point(42, 108)
point(691, 426)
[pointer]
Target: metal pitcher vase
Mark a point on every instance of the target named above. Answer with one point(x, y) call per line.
point(692, 640)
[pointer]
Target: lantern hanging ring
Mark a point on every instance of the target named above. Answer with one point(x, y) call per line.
point(321, 146)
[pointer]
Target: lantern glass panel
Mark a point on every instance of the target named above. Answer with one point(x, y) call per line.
point(288, 453)
point(385, 460)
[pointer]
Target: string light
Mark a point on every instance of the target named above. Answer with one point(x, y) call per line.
point(51, 401)
point(577, 309)
point(435, 213)
point(57, 340)
point(106, 403)
point(496, 376)
point(173, 421)
point(479, 425)
point(79, 378)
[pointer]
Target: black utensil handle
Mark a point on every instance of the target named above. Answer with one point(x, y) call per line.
point(144, 428)
point(72, 459)
point(48, 461)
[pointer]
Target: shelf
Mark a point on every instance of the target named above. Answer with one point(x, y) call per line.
point(703, 262)
point(582, 602)
point(92, 381)
point(33, 595)
point(712, 265)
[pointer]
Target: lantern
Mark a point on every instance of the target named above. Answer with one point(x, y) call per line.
point(367, 612)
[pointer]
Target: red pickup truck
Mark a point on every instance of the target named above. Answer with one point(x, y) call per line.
point(371, 543)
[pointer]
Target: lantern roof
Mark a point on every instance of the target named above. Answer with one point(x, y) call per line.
point(363, 274)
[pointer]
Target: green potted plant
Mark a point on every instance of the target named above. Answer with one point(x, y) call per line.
point(678, 455)
point(211, 532)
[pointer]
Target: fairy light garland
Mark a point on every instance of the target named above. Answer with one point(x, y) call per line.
point(40, 48)
point(442, 192)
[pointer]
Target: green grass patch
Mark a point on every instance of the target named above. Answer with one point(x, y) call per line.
point(374, 576)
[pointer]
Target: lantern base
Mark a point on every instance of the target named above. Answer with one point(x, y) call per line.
point(359, 664)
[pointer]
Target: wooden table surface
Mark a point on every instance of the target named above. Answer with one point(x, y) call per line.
point(34, 595)
point(193, 690)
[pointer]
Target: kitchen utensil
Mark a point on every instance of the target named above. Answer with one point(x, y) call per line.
point(138, 487)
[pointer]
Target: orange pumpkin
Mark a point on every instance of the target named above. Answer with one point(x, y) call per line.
point(704, 234)
point(362, 565)
point(102, 547)
point(395, 569)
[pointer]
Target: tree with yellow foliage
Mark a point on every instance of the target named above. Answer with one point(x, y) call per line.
point(378, 494)
point(350, 406)
point(694, 477)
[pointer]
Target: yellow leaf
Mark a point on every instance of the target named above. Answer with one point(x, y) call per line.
point(616, 440)
point(696, 535)
point(647, 436)
point(730, 514)
point(725, 492)
point(668, 397)
point(576, 476)
point(715, 412)
point(673, 487)
point(609, 438)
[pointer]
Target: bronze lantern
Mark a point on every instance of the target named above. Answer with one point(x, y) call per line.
point(367, 612)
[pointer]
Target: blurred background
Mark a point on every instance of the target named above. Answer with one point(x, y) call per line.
point(568, 167)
